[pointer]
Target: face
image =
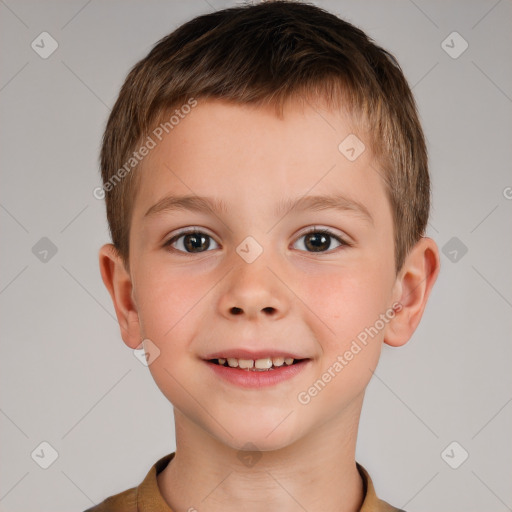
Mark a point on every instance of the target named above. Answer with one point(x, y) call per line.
point(258, 277)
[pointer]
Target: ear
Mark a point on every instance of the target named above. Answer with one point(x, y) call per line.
point(412, 288)
point(119, 284)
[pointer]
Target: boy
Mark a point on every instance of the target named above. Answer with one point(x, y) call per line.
point(267, 194)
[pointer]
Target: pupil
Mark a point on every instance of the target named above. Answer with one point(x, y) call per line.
point(193, 241)
point(317, 241)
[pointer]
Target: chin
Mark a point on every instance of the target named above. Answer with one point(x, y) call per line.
point(259, 443)
point(262, 436)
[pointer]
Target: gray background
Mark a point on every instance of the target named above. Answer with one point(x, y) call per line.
point(68, 379)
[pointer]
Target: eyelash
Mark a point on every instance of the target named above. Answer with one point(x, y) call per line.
point(323, 231)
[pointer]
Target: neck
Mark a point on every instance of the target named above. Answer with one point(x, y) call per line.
point(317, 472)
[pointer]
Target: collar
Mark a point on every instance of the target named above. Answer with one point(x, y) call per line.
point(149, 498)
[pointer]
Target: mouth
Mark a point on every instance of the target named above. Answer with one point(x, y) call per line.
point(264, 364)
point(263, 370)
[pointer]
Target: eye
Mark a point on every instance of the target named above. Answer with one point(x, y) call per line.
point(192, 241)
point(319, 240)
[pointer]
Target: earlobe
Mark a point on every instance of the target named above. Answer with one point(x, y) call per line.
point(119, 285)
point(413, 286)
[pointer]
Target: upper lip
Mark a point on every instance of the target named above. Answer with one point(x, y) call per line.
point(238, 353)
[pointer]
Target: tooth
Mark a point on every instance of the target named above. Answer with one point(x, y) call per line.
point(263, 363)
point(259, 364)
point(232, 362)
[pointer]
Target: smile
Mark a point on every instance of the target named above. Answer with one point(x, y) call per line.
point(257, 373)
point(255, 365)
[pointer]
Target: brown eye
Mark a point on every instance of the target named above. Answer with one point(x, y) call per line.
point(191, 242)
point(320, 240)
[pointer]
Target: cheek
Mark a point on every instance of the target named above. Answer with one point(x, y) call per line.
point(348, 299)
point(165, 299)
point(349, 305)
point(169, 316)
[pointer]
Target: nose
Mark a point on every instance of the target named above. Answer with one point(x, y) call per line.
point(253, 291)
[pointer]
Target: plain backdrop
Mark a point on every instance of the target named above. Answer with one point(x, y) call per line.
point(68, 380)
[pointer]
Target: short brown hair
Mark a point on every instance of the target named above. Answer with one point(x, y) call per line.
point(265, 54)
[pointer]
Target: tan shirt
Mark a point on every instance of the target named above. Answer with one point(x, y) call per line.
point(147, 497)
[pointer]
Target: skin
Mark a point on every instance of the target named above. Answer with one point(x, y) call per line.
point(310, 303)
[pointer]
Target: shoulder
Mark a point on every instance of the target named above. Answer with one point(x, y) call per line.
point(125, 501)
point(371, 502)
point(140, 497)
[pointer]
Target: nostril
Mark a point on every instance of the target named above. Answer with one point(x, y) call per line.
point(236, 311)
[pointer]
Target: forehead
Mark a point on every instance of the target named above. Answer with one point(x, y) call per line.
point(244, 154)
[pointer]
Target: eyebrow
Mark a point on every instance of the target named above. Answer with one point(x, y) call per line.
point(215, 206)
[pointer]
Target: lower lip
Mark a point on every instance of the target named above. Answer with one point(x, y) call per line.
point(257, 379)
